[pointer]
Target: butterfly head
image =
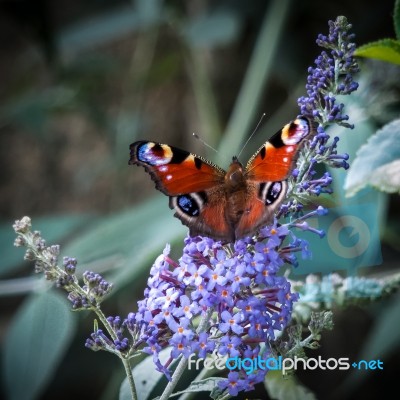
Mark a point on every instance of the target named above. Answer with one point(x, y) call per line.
point(234, 177)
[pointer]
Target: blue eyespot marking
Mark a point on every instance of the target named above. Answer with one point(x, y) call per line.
point(188, 205)
point(154, 153)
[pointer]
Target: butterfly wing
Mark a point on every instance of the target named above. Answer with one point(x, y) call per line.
point(173, 170)
point(204, 213)
point(193, 184)
point(274, 160)
point(267, 171)
point(262, 201)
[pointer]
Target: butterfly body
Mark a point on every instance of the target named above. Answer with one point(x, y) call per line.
point(224, 205)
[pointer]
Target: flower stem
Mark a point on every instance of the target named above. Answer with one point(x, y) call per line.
point(301, 344)
point(104, 321)
point(128, 371)
point(180, 369)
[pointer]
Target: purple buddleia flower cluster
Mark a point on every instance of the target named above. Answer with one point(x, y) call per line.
point(94, 290)
point(88, 296)
point(100, 341)
point(235, 287)
point(331, 76)
point(306, 181)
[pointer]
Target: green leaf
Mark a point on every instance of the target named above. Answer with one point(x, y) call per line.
point(204, 385)
point(146, 377)
point(387, 177)
point(380, 150)
point(396, 18)
point(385, 50)
point(35, 344)
point(55, 228)
point(126, 232)
point(286, 388)
point(127, 241)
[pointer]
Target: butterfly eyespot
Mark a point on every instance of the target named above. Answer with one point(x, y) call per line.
point(154, 154)
point(272, 192)
point(295, 132)
point(190, 204)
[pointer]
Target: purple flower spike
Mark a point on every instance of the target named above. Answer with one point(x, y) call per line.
point(238, 283)
point(332, 75)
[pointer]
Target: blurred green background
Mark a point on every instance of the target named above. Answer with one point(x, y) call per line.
point(81, 80)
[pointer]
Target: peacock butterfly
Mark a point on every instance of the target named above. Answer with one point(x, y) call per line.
point(224, 205)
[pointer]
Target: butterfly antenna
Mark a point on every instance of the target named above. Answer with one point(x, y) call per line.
point(252, 134)
point(204, 142)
